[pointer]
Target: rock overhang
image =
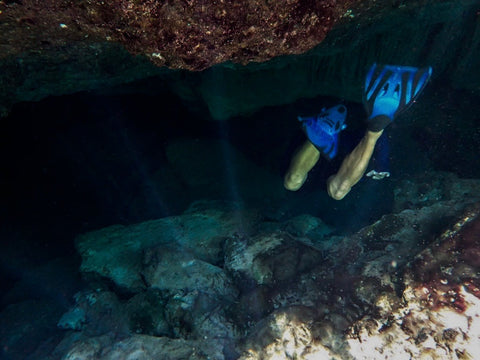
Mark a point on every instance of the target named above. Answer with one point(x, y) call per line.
point(296, 49)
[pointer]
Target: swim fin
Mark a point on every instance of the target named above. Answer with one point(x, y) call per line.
point(322, 130)
point(389, 90)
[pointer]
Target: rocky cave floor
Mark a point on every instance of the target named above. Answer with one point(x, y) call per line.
point(223, 282)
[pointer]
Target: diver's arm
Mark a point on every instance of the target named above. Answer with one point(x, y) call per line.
point(302, 162)
point(353, 167)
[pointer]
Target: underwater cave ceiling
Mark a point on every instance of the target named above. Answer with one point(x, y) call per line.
point(56, 47)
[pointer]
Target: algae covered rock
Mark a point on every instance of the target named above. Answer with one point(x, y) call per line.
point(267, 258)
point(439, 315)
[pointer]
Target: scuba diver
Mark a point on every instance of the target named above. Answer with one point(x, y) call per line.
point(389, 90)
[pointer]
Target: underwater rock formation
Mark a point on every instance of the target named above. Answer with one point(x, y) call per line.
point(56, 47)
point(60, 47)
point(222, 282)
point(166, 269)
point(429, 188)
point(189, 34)
point(430, 310)
point(117, 252)
point(406, 284)
point(111, 347)
point(266, 259)
point(440, 310)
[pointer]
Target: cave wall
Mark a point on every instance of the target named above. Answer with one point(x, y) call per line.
point(442, 34)
point(445, 36)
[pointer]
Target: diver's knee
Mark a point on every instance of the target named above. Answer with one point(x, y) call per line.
point(294, 181)
point(337, 195)
point(337, 191)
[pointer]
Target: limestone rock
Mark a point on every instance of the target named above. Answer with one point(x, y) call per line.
point(73, 319)
point(146, 314)
point(308, 226)
point(440, 315)
point(116, 252)
point(433, 186)
point(267, 258)
point(173, 271)
point(408, 284)
point(109, 347)
point(96, 313)
point(289, 334)
point(200, 316)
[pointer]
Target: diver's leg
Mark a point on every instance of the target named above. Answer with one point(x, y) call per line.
point(302, 162)
point(353, 166)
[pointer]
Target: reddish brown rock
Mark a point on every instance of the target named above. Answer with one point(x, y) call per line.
point(438, 316)
point(439, 273)
point(187, 34)
point(57, 47)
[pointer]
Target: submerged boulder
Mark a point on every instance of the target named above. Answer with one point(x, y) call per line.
point(116, 253)
point(112, 347)
point(289, 334)
point(430, 187)
point(267, 259)
point(169, 270)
